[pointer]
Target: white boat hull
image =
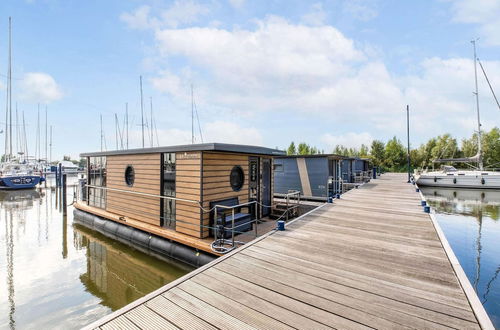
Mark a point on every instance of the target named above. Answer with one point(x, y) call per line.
point(459, 181)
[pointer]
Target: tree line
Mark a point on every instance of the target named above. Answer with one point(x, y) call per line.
point(392, 155)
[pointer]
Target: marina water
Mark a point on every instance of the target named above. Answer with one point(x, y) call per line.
point(56, 274)
point(470, 219)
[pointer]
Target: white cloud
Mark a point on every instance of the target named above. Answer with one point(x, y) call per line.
point(217, 131)
point(40, 87)
point(349, 140)
point(237, 3)
point(183, 12)
point(363, 10)
point(316, 16)
point(179, 13)
point(139, 19)
point(229, 132)
point(286, 69)
point(483, 13)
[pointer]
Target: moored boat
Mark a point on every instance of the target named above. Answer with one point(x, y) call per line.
point(18, 176)
point(451, 177)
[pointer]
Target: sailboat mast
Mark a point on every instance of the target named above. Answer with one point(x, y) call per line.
point(142, 112)
point(38, 149)
point(46, 136)
point(479, 145)
point(101, 131)
point(8, 106)
point(126, 117)
point(17, 131)
point(25, 140)
point(192, 115)
point(50, 145)
point(151, 120)
point(10, 87)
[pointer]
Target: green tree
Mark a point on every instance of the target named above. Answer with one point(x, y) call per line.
point(291, 149)
point(446, 147)
point(377, 151)
point(363, 151)
point(304, 149)
point(68, 158)
point(491, 147)
point(82, 162)
point(395, 155)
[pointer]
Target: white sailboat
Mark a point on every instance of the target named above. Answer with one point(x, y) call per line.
point(15, 173)
point(449, 176)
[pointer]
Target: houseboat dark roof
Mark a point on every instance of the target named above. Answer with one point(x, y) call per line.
point(224, 147)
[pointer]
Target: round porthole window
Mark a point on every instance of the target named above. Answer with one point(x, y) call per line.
point(129, 175)
point(237, 178)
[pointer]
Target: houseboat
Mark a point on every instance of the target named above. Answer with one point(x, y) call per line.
point(318, 177)
point(356, 170)
point(186, 194)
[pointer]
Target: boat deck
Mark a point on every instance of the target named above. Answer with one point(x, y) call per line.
point(372, 259)
point(204, 244)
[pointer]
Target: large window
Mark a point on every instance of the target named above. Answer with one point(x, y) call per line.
point(168, 189)
point(97, 177)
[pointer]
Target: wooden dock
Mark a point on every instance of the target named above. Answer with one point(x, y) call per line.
point(372, 259)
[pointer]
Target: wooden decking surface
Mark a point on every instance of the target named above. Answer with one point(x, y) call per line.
point(372, 259)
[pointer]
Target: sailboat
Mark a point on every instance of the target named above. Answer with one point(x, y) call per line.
point(449, 176)
point(14, 173)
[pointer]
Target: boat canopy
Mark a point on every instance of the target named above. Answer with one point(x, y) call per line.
point(473, 159)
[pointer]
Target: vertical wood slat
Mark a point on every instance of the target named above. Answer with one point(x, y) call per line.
point(218, 172)
point(188, 186)
point(147, 169)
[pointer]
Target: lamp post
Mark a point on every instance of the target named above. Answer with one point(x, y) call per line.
point(408, 139)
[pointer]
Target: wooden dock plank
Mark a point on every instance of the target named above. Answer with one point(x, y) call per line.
point(372, 259)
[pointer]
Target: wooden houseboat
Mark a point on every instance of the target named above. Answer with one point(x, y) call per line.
point(356, 170)
point(317, 177)
point(320, 176)
point(171, 191)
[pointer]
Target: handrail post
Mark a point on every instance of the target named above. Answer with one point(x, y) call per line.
point(256, 218)
point(232, 229)
point(216, 218)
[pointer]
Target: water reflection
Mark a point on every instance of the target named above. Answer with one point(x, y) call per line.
point(119, 276)
point(59, 274)
point(469, 218)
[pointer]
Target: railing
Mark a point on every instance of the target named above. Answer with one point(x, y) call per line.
point(219, 245)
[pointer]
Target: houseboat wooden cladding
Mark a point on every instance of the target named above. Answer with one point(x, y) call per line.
point(146, 180)
point(188, 186)
point(216, 186)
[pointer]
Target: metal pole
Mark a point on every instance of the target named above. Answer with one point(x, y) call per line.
point(489, 84)
point(126, 116)
point(142, 112)
point(192, 115)
point(479, 147)
point(64, 205)
point(50, 145)
point(101, 132)
point(46, 137)
point(408, 139)
point(256, 219)
point(232, 229)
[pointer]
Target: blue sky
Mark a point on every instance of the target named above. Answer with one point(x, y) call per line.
point(264, 72)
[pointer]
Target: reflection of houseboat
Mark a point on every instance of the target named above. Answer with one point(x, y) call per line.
point(121, 275)
point(172, 191)
point(319, 176)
